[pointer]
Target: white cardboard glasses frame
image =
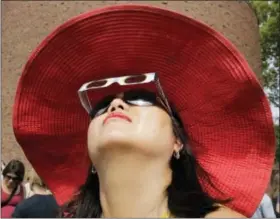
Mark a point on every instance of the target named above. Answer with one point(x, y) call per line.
point(123, 81)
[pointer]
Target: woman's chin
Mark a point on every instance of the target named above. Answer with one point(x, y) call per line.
point(109, 142)
point(116, 145)
point(115, 141)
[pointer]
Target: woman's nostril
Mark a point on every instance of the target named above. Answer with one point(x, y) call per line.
point(117, 104)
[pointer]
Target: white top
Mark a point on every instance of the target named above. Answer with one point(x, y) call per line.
point(28, 192)
point(265, 209)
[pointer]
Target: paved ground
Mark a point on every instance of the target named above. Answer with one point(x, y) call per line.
point(26, 23)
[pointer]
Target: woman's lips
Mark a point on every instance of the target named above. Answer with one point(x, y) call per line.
point(117, 115)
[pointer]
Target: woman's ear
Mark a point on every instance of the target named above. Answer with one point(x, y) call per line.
point(178, 145)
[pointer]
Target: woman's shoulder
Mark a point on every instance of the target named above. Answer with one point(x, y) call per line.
point(224, 212)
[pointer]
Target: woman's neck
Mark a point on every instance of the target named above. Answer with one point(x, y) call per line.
point(132, 185)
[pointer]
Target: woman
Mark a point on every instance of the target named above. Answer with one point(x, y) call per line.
point(12, 191)
point(40, 202)
point(212, 157)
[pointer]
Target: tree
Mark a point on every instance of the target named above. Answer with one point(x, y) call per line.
point(269, 22)
point(268, 14)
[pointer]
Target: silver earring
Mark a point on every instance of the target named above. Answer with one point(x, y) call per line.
point(93, 170)
point(177, 154)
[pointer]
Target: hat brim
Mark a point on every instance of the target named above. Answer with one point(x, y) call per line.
point(224, 109)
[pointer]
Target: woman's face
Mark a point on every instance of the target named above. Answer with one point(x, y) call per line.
point(145, 129)
point(11, 180)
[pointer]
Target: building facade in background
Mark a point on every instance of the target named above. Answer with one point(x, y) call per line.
point(26, 23)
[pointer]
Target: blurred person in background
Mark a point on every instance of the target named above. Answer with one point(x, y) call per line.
point(265, 209)
point(278, 206)
point(2, 168)
point(12, 191)
point(27, 185)
point(275, 193)
point(40, 202)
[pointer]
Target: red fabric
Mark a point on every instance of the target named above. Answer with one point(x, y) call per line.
point(7, 211)
point(222, 104)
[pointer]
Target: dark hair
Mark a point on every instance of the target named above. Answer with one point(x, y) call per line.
point(16, 167)
point(186, 197)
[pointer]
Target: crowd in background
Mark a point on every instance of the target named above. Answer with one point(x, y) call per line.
point(28, 198)
point(31, 198)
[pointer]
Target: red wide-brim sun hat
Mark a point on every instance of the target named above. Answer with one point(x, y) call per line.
point(224, 109)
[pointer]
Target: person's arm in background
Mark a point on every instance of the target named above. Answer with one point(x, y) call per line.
point(267, 207)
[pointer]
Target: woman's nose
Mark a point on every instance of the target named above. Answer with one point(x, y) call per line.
point(118, 104)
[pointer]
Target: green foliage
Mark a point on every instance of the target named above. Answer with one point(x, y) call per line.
point(268, 13)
